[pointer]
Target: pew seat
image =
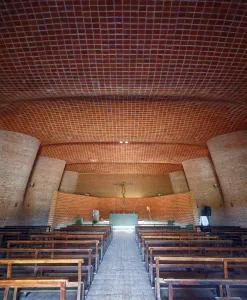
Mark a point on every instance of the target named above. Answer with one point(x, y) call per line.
point(222, 285)
point(70, 269)
point(23, 283)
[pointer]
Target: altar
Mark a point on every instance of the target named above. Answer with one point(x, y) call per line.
point(123, 219)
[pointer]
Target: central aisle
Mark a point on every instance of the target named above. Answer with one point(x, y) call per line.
point(121, 275)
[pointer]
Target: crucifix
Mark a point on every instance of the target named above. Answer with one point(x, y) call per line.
point(123, 191)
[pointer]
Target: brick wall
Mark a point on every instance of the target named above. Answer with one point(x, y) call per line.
point(179, 182)
point(69, 182)
point(179, 207)
point(203, 182)
point(17, 155)
point(46, 177)
point(102, 185)
point(229, 154)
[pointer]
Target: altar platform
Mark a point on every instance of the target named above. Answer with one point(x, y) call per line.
point(123, 219)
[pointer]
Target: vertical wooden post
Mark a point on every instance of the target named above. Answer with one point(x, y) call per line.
point(157, 281)
point(9, 270)
point(97, 255)
point(79, 291)
point(170, 291)
point(146, 259)
point(9, 274)
point(15, 293)
point(63, 291)
point(6, 293)
point(228, 292)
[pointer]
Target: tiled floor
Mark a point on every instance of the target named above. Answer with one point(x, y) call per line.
point(121, 275)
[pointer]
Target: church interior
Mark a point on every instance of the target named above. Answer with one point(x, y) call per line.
point(123, 136)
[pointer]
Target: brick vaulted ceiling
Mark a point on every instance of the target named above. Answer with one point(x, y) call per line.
point(81, 76)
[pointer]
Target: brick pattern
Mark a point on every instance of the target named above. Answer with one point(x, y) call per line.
point(69, 182)
point(158, 131)
point(135, 119)
point(125, 168)
point(143, 185)
point(202, 180)
point(46, 177)
point(179, 207)
point(125, 153)
point(229, 154)
point(17, 155)
point(67, 48)
point(179, 182)
point(161, 72)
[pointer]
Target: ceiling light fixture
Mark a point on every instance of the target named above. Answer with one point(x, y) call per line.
point(126, 142)
point(121, 142)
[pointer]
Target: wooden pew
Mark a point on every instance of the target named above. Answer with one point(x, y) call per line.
point(107, 234)
point(165, 264)
point(18, 266)
point(89, 259)
point(100, 238)
point(139, 228)
point(86, 227)
point(224, 228)
point(184, 243)
point(23, 283)
point(244, 240)
point(144, 233)
point(236, 236)
point(10, 236)
point(187, 251)
point(175, 237)
point(74, 228)
point(219, 284)
point(58, 244)
point(157, 226)
point(27, 229)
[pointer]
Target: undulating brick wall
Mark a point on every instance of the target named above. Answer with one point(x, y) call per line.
point(46, 177)
point(179, 182)
point(17, 155)
point(69, 182)
point(179, 207)
point(203, 182)
point(229, 154)
point(143, 185)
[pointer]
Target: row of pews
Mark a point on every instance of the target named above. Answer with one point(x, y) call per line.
point(39, 257)
point(208, 261)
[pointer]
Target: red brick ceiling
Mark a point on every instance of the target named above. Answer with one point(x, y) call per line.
point(163, 75)
point(122, 168)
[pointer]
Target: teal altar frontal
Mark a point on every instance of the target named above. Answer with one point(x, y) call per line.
point(123, 219)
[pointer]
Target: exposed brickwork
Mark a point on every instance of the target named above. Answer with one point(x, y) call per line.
point(203, 181)
point(179, 182)
point(46, 177)
point(144, 185)
point(69, 182)
point(118, 168)
point(125, 153)
point(179, 207)
point(166, 76)
point(229, 154)
point(69, 48)
point(135, 119)
point(17, 155)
